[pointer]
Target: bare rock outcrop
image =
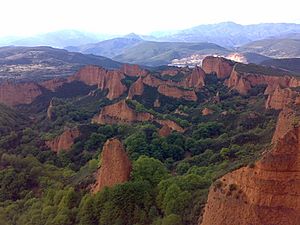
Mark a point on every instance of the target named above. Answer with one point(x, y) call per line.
point(156, 103)
point(282, 97)
point(105, 80)
point(133, 70)
point(195, 80)
point(164, 131)
point(175, 92)
point(153, 81)
point(114, 85)
point(53, 84)
point(167, 127)
point(12, 94)
point(120, 112)
point(171, 124)
point(50, 112)
point(287, 119)
point(115, 166)
point(267, 193)
point(207, 111)
point(137, 88)
point(220, 66)
point(63, 141)
point(90, 75)
point(238, 83)
point(243, 82)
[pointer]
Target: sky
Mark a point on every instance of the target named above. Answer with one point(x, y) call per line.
point(29, 17)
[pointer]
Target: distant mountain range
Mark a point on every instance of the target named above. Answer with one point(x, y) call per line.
point(109, 48)
point(161, 53)
point(230, 34)
point(227, 34)
point(58, 39)
point(256, 43)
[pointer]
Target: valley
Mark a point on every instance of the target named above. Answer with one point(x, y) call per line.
point(136, 145)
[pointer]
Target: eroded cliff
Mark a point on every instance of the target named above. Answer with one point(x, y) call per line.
point(120, 112)
point(13, 94)
point(220, 66)
point(63, 141)
point(266, 193)
point(115, 166)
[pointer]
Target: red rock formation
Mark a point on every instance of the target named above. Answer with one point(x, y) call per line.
point(176, 92)
point(137, 88)
point(156, 103)
point(268, 193)
point(50, 113)
point(206, 112)
point(64, 141)
point(115, 166)
point(216, 98)
point(13, 94)
point(90, 75)
point(164, 131)
point(243, 82)
point(171, 124)
point(170, 72)
point(238, 83)
point(195, 79)
point(53, 84)
point(113, 84)
point(281, 97)
point(133, 70)
point(285, 122)
point(120, 112)
point(220, 66)
point(111, 80)
point(153, 81)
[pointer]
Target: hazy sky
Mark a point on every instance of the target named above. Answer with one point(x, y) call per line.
point(27, 17)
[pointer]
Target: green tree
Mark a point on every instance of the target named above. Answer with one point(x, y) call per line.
point(149, 169)
point(172, 219)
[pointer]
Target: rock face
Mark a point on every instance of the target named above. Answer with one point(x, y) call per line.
point(282, 97)
point(120, 112)
point(164, 131)
point(64, 141)
point(13, 94)
point(176, 92)
point(115, 166)
point(156, 103)
point(137, 88)
point(153, 81)
point(90, 75)
point(195, 79)
point(53, 84)
point(171, 125)
point(243, 82)
point(220, 66)
point(133, 70)
point(285, 122)
point(238, 83)
point(207, 111)
point(114, 85)
point(268, 193)
point(105, 80)
point(50, 113)
point(167, 127)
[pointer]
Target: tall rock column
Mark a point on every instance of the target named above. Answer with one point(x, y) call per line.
point(115, 166)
